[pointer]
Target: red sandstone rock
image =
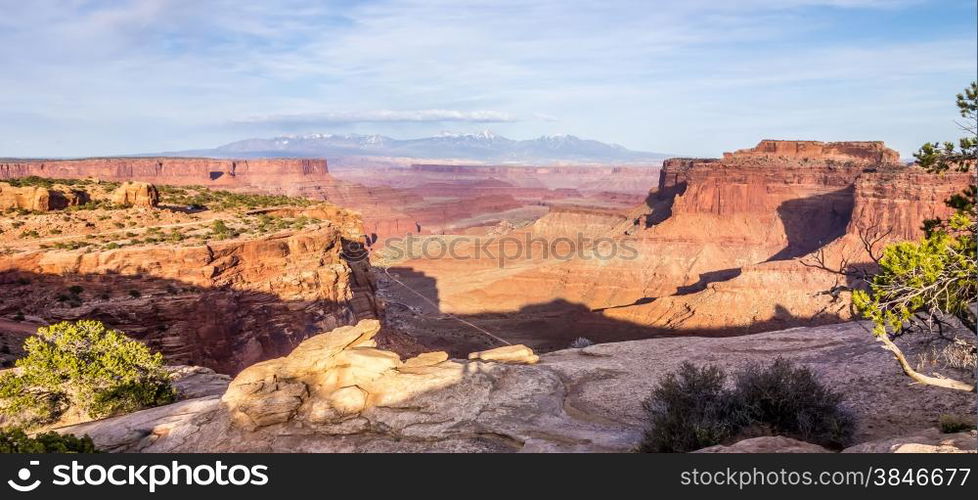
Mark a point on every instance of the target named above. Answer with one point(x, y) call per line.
point(38, 198)
point(136, 194)
point(27, 197)
point(850, 151)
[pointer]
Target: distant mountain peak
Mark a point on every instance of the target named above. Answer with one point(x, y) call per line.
point(484, 146)
point(485, 134)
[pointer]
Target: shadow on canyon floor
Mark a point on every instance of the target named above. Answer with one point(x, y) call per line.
point(228, 329)
point(545, 326)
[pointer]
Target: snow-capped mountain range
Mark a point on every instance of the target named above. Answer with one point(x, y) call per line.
point(483, 147)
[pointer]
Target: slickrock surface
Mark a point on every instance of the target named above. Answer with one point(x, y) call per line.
point(335, 394)
point(193, 382)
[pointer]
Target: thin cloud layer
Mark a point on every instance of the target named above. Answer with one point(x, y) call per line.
point(381, 116)
point(691, 76)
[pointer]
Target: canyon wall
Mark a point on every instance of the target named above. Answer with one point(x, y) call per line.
point(890, 204)
point(224, 305)
point(718, 245)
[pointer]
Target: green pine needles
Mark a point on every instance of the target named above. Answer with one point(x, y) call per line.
point(83, 368)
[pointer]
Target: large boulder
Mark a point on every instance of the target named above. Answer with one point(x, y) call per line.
point(272, 391)
point(136, 194)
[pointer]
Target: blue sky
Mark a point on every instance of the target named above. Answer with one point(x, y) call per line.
point(692, 77)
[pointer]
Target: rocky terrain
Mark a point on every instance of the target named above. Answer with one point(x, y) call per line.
point(44, 198)
point(223, 288)
point(393, 199)
point(336, 392)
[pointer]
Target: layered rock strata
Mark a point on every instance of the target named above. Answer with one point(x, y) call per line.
point(224, 305)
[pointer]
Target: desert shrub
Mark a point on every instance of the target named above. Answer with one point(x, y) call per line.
point(15, 440)
point(790, 401)
point(689, 410)
point(580, 343)
point(199, 197)
point(219, 227)
point(955, 423)
point(85, 367)
point(694, 408)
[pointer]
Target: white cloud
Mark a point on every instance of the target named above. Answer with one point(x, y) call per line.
point(380, 116)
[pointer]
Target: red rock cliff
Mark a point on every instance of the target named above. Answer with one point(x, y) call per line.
point(850, 151)
point(180, 171)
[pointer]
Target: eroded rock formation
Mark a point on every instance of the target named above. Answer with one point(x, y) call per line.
point(38, 198)
point(136, 194)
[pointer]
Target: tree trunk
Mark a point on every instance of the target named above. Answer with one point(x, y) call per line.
point(946, 383)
